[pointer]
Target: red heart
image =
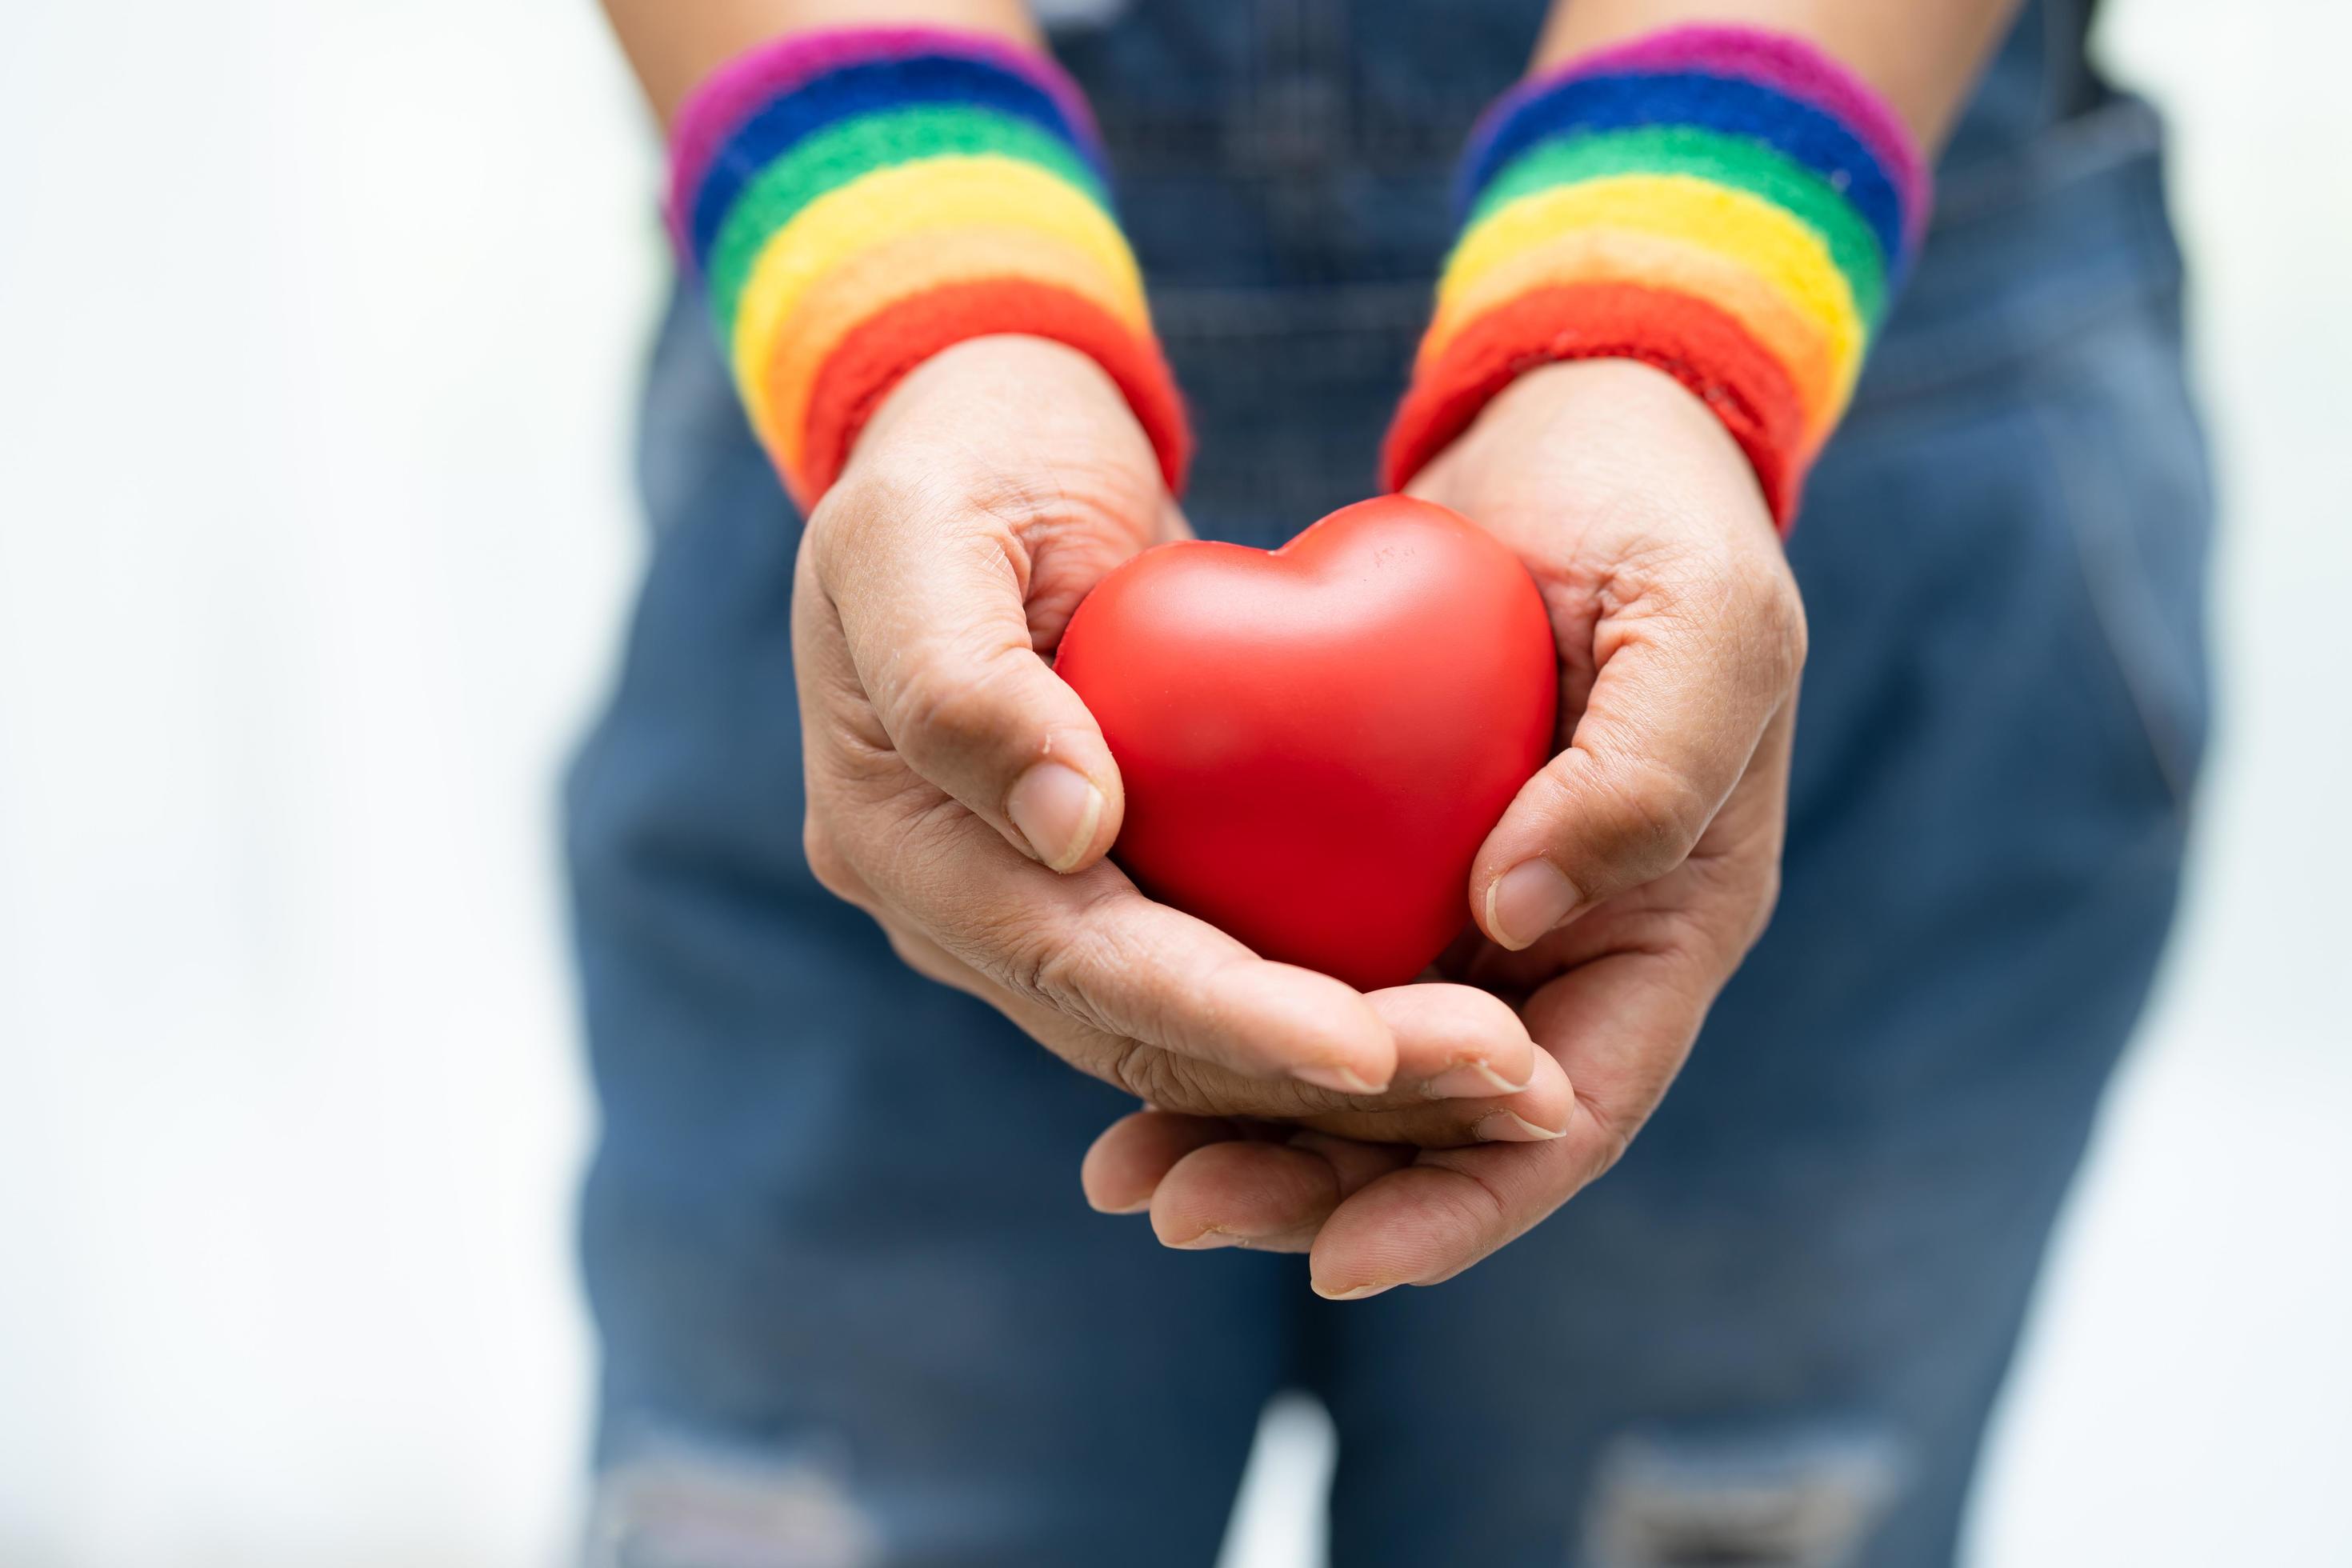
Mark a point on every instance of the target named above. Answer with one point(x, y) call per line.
point(1315, 741)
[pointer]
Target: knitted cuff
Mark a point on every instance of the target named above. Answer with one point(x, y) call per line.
point(856, 200)
point(1729, 206)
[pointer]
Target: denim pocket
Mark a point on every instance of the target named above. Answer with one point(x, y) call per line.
point(2026, 447)
point(2005, 578)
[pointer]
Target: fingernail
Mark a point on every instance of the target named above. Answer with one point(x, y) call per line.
point(1356, 1294)
point(1473, 1081)
point(1057, 809)
point(1209, 1239)
point(1527, 902)
point(1509, 1127)
point(1337, 1079)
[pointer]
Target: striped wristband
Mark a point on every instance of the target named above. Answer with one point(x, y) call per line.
point(856, 200)
point(1729, 206)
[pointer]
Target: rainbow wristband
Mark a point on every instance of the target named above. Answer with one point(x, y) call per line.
point(1730, 206)
point(856, 200)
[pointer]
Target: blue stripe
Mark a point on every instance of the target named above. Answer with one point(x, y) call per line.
point(859, 89)
point(1729, 104)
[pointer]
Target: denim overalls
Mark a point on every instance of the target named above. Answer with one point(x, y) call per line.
point(854, 1309)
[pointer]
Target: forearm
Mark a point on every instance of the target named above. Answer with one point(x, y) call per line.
point(1922, 55)
point(674, 44)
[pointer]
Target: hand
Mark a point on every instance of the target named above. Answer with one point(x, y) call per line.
point(961, 793)
point(1621, 889)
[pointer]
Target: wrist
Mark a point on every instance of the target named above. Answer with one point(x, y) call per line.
point(1623, 411)
point(1728, 206)
point(1016, 438)
point(1584, 451)
point(1009, 401)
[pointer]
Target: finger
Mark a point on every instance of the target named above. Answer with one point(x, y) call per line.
point(1459, 1053)
point(1435, 1034)
point(1622, 1026)
point(1126, 1164)
point(1542, 1110)
point(1455, 1042)
point(1256, 1194)
point(1133, 1156)
point(1129, 973)
point(1270, 1196)
point(1207, 1183)
point(942, 647)
point(1356, 1163)
point(1691, 669)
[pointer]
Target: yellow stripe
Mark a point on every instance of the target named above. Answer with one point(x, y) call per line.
point(837, 303)
point(1605, 254)
point(1765, 239)
point(889, 204)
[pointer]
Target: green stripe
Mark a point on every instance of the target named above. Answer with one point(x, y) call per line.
point(1731, 160)
point(839, 154)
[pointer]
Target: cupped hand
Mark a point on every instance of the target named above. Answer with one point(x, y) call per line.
point(961, 793)
point(1621, 887)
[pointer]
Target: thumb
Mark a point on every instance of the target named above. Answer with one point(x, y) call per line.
point(931, 594)
point(1690, 671)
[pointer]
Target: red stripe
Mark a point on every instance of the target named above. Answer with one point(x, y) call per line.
point(1704, 348)
point(880, 350)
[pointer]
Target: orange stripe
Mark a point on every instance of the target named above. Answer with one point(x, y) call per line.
point(1701, 346)
point(1605, 255)
point(880, 352)
point(913, 264)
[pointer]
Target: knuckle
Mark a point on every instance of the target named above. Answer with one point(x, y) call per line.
point(1675, 583)
point(1469, 1207)
point(838, 520)
point(1133, 1071)
point(884, 484)
point(1616, 1128)
point(1098, 976)
point(1052, 963)
point(1643, 817)
point(826, 862)
point(952, 709)
point(1796, 630)
point(1160, 1078)
point(1780, 640)
point(1005, 943)
point(1746, 607)
point(1032, 963)
point(1062, 971)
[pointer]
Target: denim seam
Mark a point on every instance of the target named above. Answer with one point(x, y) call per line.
point(2119, 598)
point(2073, 150)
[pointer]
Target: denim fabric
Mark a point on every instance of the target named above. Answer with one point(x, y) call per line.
point(853, 1308)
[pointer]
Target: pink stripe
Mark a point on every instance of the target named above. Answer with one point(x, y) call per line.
point(738, 90)
point(1794, 66)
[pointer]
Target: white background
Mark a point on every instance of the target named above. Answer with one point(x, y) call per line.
point(317, 326)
